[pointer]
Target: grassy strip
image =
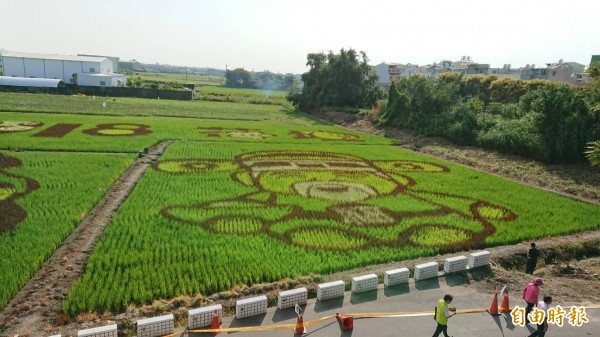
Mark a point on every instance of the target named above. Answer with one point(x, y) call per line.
point(87, 105)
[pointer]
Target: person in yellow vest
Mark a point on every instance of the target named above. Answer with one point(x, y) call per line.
point(442, 313)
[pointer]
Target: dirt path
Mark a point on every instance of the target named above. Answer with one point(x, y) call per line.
point(38, 304)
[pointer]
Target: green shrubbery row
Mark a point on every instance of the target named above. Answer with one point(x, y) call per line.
point(536, 119)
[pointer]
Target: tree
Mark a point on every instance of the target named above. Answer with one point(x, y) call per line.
point(593, 153)
point(564, 122)
point(238, 78)
point(337, 80)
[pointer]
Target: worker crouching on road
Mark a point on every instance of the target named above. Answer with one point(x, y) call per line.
point(442, 313)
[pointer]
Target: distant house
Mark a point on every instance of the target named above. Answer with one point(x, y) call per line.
point(80, 70)
point(383, 77)
point(436, 69)
point(395, 70)
point(531, 72)
point(505, 71)
point(565, 72)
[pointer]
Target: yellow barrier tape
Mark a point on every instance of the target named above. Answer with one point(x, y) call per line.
point(292, 326)
point(407, 314)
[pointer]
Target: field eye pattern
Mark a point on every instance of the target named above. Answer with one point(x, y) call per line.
point(354, 194)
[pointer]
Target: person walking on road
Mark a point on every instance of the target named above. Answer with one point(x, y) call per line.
point(543, 327)
point(530, 295)
point(532, 257)
point(442, 313)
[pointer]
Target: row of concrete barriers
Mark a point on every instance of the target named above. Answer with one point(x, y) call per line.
point(202, 317)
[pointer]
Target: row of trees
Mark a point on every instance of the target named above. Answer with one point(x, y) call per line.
point(240, 78)
point(537, 119)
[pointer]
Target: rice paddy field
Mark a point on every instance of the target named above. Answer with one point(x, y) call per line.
point(246, 193)
point(43, 197)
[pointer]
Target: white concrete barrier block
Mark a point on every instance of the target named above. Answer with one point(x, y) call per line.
point(201, 317)
point(289, 298)
point(396, 276)
point(426, 270)
point(156, 326)
point(251, 307)
point(364, 283)
point(55, 336)
point(101, 331)
point(330, 290)
point(479, 259)
point(454, 264)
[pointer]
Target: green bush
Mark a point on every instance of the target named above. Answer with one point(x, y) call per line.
point(538, 119)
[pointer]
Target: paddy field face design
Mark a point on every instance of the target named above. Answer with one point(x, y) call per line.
point(333, 201)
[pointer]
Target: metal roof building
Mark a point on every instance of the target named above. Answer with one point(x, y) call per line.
point(63, 67)
point(31, 82)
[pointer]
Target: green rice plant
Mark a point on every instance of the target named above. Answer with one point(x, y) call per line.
point(123, 106)
point(223, 213)
point(130, 134)
point(51, 210)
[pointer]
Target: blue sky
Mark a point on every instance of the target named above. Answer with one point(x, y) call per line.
point(277, 35)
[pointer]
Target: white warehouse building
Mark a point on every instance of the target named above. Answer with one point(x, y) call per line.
point(80, 70)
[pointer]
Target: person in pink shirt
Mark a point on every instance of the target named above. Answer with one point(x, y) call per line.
point(530, 295)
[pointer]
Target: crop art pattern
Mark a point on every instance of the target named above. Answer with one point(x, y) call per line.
point(326, 136)
point(17, 126)
point(336, 202)
point(218, 132)
point(12, 187)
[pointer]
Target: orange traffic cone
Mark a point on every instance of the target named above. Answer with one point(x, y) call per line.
point(347, 322)
point(300, 328)
point(215, 324)
point(505, 307)
point(493, 310)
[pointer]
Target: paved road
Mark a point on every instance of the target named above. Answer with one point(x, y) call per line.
point(409, 298)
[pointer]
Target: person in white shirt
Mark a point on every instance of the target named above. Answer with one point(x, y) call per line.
point(543, 327)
